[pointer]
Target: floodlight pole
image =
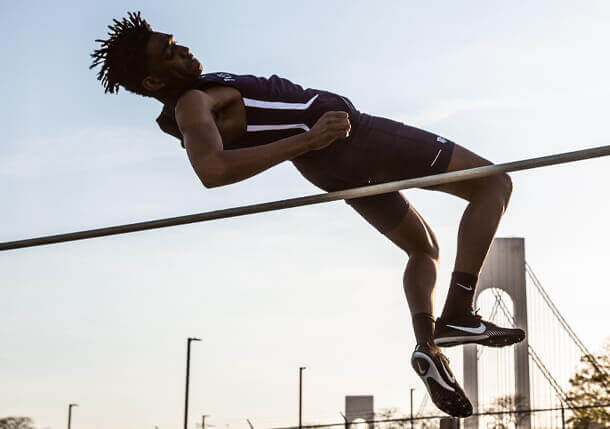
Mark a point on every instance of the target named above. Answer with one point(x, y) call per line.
point(188, 370)
point(412, 389)
point(70, 414)
point(301, 396)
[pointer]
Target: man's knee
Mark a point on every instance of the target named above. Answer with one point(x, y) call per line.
point(505, 187)
point(429, 247)
point(414, 236)
point(430, 252)
point(434, 253)
point(497, 188)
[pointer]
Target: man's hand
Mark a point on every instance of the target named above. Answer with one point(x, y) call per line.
point(330, 127)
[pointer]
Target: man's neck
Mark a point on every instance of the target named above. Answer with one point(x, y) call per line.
point(171, 95)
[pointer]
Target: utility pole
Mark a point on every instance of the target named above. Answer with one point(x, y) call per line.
point(188, 370)
point(301, 396)
point(412, 407)
point(70, 414)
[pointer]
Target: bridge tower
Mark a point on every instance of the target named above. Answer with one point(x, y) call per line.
point(504, 269)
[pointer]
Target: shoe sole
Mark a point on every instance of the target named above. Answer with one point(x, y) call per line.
point(483, 340)
point(453, 402)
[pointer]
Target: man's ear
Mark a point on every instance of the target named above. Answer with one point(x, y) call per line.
point(152, 83)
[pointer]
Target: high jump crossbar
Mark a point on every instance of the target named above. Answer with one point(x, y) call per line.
point(364, 191)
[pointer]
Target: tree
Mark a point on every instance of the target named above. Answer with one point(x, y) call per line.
point(16, 423)
point(508, 403)
point(591, 386)
point(391, 414)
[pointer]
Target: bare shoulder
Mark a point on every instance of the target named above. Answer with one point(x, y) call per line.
point(214, 97)
point(192, 108)
point(193, 99)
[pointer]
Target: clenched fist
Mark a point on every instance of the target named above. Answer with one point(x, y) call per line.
point(330, 127)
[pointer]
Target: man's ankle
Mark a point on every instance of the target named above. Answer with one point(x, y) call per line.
point(460, 297)
point(456, 316)
point(423, 326)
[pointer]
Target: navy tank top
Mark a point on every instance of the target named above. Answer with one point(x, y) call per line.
point(276, 108)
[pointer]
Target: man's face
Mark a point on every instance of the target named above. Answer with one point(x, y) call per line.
point(172, 64)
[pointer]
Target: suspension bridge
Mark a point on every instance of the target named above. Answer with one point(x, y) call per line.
point(533, 375)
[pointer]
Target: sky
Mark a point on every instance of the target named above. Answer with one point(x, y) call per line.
point(103, 323)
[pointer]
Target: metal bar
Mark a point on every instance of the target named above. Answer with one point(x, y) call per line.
point(420, 182)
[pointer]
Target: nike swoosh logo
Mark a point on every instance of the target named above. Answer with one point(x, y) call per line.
point(478, 330)
point(464, 287)
point(433, 372)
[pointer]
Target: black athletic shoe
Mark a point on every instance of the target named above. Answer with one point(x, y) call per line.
point(471, 329)
point(433, 368)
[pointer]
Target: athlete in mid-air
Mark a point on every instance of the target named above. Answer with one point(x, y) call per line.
point(234, 127)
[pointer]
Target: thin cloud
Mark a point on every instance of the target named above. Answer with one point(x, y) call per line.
point(85, 150)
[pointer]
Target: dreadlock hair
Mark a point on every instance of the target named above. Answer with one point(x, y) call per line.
point(123, 55)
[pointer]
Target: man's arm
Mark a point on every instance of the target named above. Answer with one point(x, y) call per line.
point(217, 167)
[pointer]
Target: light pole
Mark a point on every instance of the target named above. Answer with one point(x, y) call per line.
point(188, 370)
point(70, 414)
point(412, 407)
point(301, 396)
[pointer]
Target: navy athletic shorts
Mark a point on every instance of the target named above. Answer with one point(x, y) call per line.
point(378, 150)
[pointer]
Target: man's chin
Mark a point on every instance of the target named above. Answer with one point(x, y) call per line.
point(197, 65)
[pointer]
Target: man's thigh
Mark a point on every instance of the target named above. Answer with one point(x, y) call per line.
point(383, 211)
point(394, 217)
point(463, 159)
point(383, 150)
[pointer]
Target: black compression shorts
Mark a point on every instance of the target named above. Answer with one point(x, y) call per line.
point(378, 150)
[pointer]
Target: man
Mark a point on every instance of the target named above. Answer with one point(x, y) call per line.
point(234, 127)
